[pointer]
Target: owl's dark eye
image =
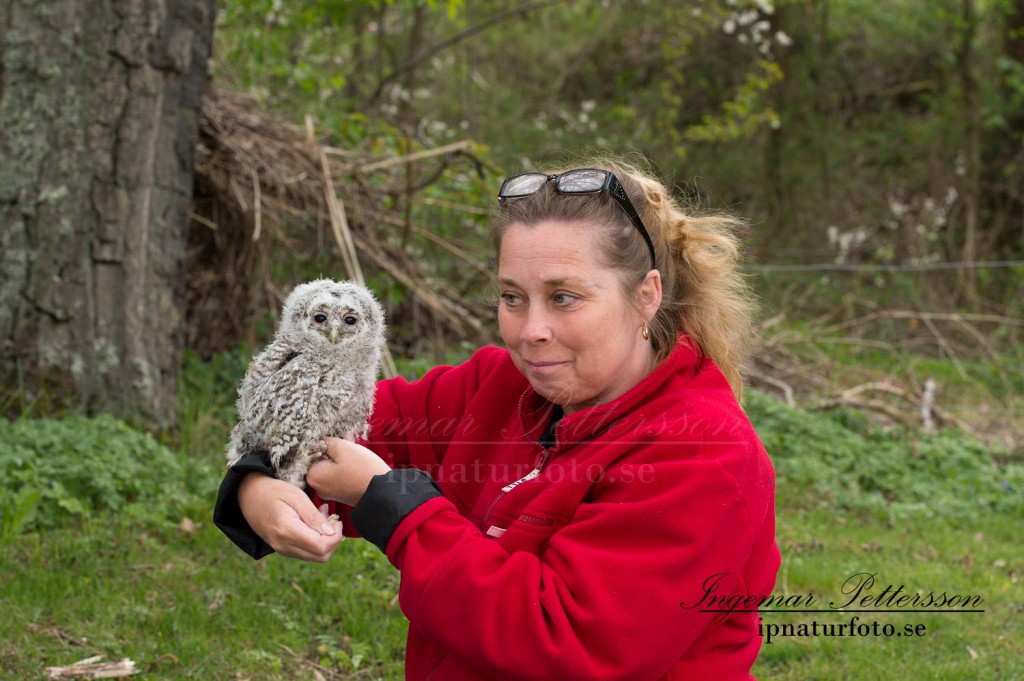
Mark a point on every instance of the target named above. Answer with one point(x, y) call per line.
point(320, 318)
point(351, 319)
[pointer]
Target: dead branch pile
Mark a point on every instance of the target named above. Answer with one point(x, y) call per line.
point(269, 195)
point(793, 365)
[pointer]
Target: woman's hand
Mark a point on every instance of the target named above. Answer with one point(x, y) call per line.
point(346, 471)
point(285, 518)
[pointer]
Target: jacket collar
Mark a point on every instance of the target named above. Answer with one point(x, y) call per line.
point(535, 412)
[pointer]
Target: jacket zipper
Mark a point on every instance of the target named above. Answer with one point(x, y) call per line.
point(512, 485)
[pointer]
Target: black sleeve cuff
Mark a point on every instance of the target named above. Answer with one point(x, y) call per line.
point(388, 499)
point(227, 515)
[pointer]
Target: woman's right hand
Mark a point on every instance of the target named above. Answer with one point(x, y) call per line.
point(285, 518)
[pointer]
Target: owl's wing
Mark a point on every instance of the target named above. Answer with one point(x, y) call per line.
point(262, 368)
point(278, 393)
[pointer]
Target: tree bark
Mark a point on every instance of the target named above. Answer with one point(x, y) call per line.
point(1005, 167)
point(971, 187)
point(99, 108)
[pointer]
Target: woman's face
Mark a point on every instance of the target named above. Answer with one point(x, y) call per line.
point(564, 319)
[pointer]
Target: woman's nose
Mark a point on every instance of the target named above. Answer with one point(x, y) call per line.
point(537, 328)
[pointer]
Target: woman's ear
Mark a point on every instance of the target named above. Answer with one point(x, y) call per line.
point(649, 294)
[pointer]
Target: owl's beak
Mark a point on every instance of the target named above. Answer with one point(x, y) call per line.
point(335, 331)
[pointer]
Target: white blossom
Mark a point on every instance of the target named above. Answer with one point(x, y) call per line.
point(898, 208)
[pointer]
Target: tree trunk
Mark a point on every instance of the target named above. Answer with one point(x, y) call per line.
point(970, 192)
point(99, 107)
point(1006, 167)
point(780, 220)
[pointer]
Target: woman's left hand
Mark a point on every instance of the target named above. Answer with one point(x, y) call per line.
point(346, 472)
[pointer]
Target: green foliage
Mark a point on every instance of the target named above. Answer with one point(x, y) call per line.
point(206, 401)
point(849, 462)
point(56, 471)
point(332, 654)
point(17, 512)
point(746, 113)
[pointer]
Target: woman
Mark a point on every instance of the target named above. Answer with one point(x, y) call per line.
point(570, 506)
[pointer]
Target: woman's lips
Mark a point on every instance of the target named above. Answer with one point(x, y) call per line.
point(544, 367)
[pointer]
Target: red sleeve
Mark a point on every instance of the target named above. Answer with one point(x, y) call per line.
point(412, 423)
point(603, 599)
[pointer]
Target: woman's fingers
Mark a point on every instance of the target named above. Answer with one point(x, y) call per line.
point(286, 519)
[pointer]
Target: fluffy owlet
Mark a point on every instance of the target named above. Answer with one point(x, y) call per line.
point(315, 380)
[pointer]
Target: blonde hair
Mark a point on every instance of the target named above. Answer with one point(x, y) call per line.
point(704, 293)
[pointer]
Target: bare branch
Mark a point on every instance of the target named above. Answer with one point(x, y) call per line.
point(426, 54)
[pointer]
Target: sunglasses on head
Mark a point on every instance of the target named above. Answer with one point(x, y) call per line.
point(578, 181)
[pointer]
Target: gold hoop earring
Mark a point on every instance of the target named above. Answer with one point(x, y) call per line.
point(645, 332)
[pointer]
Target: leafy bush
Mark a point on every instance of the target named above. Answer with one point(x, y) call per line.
point(855, 464)
point(206, 404)
point(51, 470)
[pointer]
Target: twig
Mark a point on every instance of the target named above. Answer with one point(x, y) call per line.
point(786, 388)
point(451, 205)
point(426, 54)
point(324, 672)
point(257, 204)
point(876, 386)
point(772, 322)
point(946, 346)
point(400, 160)
point(62, 636)
point(423, 292)
point(336, 211)
point(203, 221)
point(842, 340)
point(92, 668)
point(986, 344)
point(934, 316)
point(870, 405)
point(439, 240)
point(343, 235)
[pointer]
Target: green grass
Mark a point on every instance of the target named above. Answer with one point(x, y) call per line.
point(822, 548)
point(151, 578)
point(187, 605)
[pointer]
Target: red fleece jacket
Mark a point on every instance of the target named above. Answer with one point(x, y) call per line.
point(588, 560)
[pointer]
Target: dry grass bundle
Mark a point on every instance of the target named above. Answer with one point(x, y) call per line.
point(267, 189)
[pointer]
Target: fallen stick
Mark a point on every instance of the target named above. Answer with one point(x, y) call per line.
point(92, 668)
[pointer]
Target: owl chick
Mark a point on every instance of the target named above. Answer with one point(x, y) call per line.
point(316, 379)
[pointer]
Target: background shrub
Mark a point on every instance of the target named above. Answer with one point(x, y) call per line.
point(54, 470)
point(843, 458)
